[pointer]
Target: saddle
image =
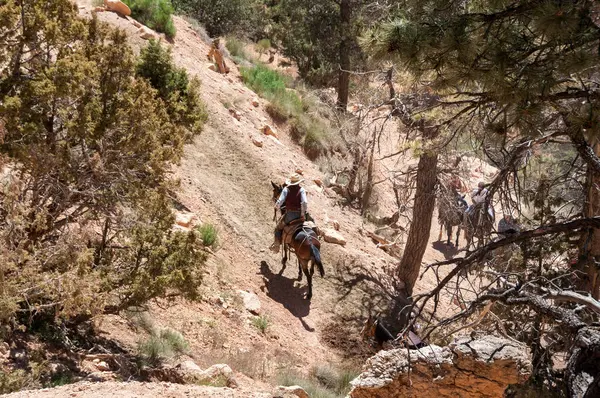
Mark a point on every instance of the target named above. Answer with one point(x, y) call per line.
point(294, 227)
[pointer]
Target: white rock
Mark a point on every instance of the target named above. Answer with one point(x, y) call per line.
point(189, 366)
point(251, 302)
point(332, 236)
point(102, 366)
point(258, 142)
point(220, 372)
point(185, 219)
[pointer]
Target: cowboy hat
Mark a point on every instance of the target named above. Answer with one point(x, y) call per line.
point(294, 180)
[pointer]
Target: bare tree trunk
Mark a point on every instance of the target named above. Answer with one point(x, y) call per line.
point(418, 235)
point(344, 76)
point(368, 191)
point(589, 250)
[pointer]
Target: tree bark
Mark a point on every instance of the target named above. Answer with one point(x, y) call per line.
point(344, 74)
point(420, 227)
point(589, 249)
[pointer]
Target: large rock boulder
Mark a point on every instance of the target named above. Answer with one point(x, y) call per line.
point(467, 368)
point(117, 6)
point(219, 375)
point(332, 236)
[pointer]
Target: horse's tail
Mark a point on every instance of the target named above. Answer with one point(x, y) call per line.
point(316, 255)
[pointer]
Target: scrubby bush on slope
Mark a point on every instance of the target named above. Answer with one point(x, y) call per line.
point(156, 14)
point(86, 149)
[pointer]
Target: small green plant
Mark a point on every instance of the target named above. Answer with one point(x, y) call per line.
point(337, 380)
point(312, 388)
point(264, 81)
point(14, 381)
point(140, 319)
point(175, 341)
point(312, 133)
point(262, 323)
point(161, 345)
point(208, 234)
point(219, 381)
point(60, 379)
point(263, 46)
point(156, 14)
point(324, 381)
point(235, 47)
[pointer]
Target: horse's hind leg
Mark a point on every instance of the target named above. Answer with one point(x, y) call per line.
point(284, 258)
point(449, 232)
point(305, 268)
point(299, 271)
point(457, 235)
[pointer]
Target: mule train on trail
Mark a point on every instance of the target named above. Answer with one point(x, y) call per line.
point(453, 211)
point(299, 236)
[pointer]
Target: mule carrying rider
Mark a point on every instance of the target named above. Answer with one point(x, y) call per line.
point(478, 196)
point(293, 197)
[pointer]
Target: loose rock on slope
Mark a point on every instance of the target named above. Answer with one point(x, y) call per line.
point(467, 368)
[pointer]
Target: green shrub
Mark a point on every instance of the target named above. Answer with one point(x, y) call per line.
point(118, 143)
point(181, 96)
point(312, 133)
point(262, 323)
point(263, 46)
point(175, 340)
point(208, 234)
point(323, 381)
point(162, 345)
point(271, 85)
point(156, 14)
point(264, 81)
point(222, 17)
point(337, 380)
point(235, 47)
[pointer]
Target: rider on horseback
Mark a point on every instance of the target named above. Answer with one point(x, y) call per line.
point(293, 198)
point(478, 196)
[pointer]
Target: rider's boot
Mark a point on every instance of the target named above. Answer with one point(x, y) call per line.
point(275, 246)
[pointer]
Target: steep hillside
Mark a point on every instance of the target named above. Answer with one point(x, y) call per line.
point(225, 179)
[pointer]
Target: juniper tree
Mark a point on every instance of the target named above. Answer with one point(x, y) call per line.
point(86, 152)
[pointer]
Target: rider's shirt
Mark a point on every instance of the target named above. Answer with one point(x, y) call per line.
point(478, 195)
point(284, 196)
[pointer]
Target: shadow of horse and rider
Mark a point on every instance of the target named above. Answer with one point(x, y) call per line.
point(453, 211)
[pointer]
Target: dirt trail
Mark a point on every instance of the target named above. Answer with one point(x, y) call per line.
point(225, 180)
